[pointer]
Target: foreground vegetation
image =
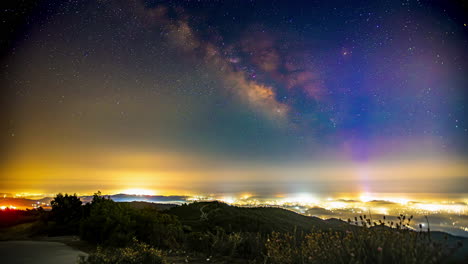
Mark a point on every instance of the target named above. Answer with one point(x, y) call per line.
point(217, 232)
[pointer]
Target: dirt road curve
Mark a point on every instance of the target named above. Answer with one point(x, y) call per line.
point(37, 252)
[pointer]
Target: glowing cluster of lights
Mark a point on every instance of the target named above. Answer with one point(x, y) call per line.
point(39, 204)
point(30, 195)
point(138, 191)
point(361, 205)
point(438, 208)
point(342, 207)
point(4, 207)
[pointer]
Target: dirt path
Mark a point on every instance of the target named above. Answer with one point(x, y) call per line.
point(37, 252)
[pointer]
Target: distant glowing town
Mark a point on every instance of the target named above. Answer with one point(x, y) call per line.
point(446, 215)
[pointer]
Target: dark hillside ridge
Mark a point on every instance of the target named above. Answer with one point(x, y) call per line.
point(206, 216)
point(202, 216)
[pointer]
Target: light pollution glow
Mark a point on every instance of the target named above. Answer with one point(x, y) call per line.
point(151, 98)
point(178, 174)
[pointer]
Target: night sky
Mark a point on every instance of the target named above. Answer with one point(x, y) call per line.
point(234, 96)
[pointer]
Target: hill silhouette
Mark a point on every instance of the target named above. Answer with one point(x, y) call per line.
point(202, 216)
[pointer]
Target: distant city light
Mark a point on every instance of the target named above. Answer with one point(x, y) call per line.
point(137, 191)
point(7, 207)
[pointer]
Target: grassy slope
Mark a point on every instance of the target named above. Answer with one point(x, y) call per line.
point(16, 232)
point(259, 219)
point(267, 219)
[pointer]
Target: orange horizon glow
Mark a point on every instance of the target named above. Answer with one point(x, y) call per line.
point(178, 174)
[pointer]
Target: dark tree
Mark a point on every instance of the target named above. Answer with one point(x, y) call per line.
point(66, 209)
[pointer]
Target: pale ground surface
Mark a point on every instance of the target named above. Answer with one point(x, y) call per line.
point(37, 252)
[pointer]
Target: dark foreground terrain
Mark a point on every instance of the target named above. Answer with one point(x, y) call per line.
point(40, 252)
point(211, 232)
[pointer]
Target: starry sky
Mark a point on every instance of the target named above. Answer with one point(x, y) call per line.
point(184, 97)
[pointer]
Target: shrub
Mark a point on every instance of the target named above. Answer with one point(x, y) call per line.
point(109, 223)
point(281, 248)
point(158, 229)
point(361, 245)
point(115, 224)
point(251, 246)
point(137, 253)
point(66, 208)
point(66, 214)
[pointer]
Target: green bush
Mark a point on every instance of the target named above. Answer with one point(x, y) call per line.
point(251, 246)
point(361, 245)
point(65, 215)
point(66, 208)
point(281, 248)
point(243, 245)
point(109, 223)
point(115, 224)
point(158, 229)
point(137, 253)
